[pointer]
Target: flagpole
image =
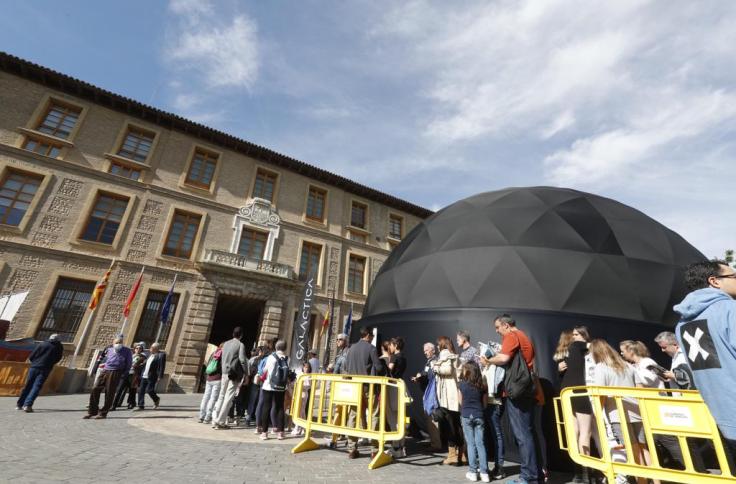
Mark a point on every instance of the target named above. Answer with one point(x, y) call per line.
point(73, 364)
point(125, 320)
point(168, 316)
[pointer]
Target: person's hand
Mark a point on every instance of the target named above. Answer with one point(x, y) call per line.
point(668, 375)
point(561, 366)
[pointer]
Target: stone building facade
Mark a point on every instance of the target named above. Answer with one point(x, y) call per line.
point(89, 178)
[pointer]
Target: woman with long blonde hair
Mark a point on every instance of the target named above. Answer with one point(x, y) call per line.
point(562, 350)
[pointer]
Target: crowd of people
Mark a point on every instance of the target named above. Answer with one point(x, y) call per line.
point(466, 388)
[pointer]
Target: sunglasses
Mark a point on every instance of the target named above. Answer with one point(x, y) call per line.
point(727, 276)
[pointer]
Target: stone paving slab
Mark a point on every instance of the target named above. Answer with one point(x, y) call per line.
point(168, 445)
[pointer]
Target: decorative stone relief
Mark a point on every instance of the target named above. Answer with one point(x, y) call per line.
point(119, 291)
point(43, 239)
point(163, 278)
point(152, 207)
point(31, 261)
point(70, 188)
point(61, 205)
point(22, 280)
point(333, 268)
point(113, 313)
point(77, 267)
point(376, 266)
point(141, 240)
point(260, 214)
point(126, 276)
point(147, 223)
point(135, 255)
point(51, 223)
point(105, 335)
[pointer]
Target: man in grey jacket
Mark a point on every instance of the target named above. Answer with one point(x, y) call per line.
point(234, 368)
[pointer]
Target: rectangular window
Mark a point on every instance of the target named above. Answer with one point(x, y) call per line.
point(309, 262)
point(16, 194)
point(265, 185)
point(316, 204)
point(358, 215)
point(148, 326)
point(136, 145)
point(42, 147)
point(183, 231)
point(253, 244)
point(104, 220)
point(59, 120)
point(395, 227)
point(125, 171)
point(356, 271)
point(66, 309)
point(201, 170)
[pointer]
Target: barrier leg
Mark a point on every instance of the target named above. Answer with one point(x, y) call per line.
point(381, 459)
point(305, 445)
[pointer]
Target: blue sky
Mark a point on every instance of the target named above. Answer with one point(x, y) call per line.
point(436, 101)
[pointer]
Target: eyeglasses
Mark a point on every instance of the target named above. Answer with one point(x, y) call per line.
point(727, 276)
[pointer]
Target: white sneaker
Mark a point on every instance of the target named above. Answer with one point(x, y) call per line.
point(485, 477)
point(471, 476)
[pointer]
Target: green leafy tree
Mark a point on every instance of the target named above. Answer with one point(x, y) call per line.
point(729, 257)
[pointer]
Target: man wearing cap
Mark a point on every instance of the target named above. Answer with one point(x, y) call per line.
point(43, 358)
point(118, 360)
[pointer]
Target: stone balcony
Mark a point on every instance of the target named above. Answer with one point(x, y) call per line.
point(236, 261)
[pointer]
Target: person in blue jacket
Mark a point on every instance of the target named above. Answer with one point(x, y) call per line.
point(43, 358)
point(707, 335)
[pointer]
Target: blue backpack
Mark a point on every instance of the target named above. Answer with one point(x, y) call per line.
point(430, 401)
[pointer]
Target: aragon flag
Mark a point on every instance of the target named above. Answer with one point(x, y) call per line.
point(100, 289)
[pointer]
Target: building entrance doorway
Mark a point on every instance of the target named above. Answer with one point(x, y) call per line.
point(232, 311)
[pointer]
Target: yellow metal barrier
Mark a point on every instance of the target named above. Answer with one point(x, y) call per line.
point(665, 414)
point(333, 399)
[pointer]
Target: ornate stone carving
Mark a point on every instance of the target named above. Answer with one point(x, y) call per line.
point(119, 291)
point(141, 240)
point(105, 335)
point(22, 280)
point(51, 224)
point(77, 267)
point(31, 261)
point(70, 188)
point(135, 255)
point(126, 276)
point(147, 223)
point(153, 207)
point(113, 314)
point(61, 205)
point(260, 212)
point(333, 268)
point(43, 239)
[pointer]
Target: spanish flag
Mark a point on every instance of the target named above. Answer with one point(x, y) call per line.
point(133, 292)
point(325, 324)
point(100, 289)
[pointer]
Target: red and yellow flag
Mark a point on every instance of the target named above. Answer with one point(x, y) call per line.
point(131, 296)
point(325, 324)
point(100, 289)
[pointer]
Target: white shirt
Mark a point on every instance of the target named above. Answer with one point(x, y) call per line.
point(678, 360)
point(645, 377)
point(148, 366)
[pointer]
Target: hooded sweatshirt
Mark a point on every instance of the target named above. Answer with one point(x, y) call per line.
point(707, 335)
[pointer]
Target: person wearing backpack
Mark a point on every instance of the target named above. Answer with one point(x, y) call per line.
point(234, 366)
point(276, 374)
point(517, 358)
point(213, 374)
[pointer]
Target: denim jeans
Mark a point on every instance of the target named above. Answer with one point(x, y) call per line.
point(34, 383)
point(473, 429)
point(521, 418)
point(211, 393)
point(493, 415)
point(147, 386)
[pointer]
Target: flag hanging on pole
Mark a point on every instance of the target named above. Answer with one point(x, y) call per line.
point(326, 360)
point(100, 289)
point(325, 324)
point(167, 302)
point(133, 292)
point(349, 322)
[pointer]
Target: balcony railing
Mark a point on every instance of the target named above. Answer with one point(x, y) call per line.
point(237, 261)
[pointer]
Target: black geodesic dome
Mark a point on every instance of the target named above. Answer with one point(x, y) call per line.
point(539, 248)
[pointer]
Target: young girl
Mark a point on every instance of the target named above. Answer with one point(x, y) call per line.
point(473, 396)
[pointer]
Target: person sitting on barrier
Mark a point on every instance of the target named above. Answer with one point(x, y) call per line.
point(570, 356)
point(612, 371)
point(706, 333)
point(493, 376)
point(472, 396)
point(446, 371)
point(362, 359)
point(396, 369)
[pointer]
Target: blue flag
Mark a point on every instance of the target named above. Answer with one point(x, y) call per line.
point(167, 303)
point(349, 322)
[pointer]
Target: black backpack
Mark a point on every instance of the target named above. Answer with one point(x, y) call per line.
point(279, 377)
point(518, 380)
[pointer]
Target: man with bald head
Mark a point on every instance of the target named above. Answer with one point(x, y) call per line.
point(152, 373)
point(118, 359)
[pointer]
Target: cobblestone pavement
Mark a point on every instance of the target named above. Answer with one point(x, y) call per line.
point(54, 444)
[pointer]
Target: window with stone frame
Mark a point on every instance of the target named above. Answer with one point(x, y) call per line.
point(182, 234)
point(201, 169)
point(125, 171)
point(66, 309)
point(309, 260)
point(356, 274)
point(150, 320)
point(136, 144)
point(253, 244)
point(395, 227)
point(42, 147)
point(105, 218)
point(16, 194)
point(316, 199)
point(59, 120)
point(358, 215)
point(265, 185)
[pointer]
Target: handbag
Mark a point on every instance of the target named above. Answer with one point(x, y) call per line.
point(518, 380)
point(430, 401)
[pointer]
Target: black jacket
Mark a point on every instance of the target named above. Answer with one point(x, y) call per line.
point(362, 359)
point(46, 355)
point(158, 366)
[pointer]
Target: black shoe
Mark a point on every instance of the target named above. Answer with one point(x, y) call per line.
point(353, 454)
point(497, 474)
point(28, 409)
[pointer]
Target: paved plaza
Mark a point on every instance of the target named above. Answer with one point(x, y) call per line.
point(54, 444)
